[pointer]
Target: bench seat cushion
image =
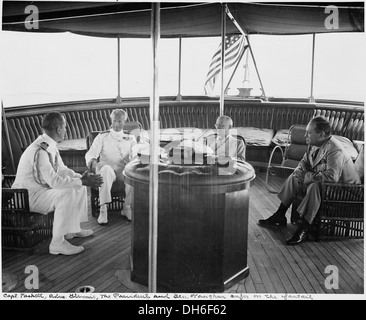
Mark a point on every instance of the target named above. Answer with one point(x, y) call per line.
point(255, 136)
point(281, 137)
point(72, 144)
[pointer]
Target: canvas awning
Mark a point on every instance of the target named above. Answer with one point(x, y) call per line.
point(126, 19)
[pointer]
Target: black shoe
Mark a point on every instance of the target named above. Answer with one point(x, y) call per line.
point(301, 235)
point(274, 221)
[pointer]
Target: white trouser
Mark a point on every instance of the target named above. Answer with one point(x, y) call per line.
point(69, 205)
point(109, 177)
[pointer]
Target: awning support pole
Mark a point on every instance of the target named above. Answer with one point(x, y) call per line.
point(8, 137)
point(250, 48)
point(154, 152)
point(179, 96)
point(311, 99)
point(223, 34)
point(118, 99)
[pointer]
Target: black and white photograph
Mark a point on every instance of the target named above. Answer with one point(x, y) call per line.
point(188, 152)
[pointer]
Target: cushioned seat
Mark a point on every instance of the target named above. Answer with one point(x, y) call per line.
point(72, 144)
point(254, 136)
point(291, 154)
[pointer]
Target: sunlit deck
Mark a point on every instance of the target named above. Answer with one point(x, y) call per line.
point(274, 267)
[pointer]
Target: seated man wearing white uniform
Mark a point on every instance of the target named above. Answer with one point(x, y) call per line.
point(226, 145)
point(114, 148)
point(54, 187)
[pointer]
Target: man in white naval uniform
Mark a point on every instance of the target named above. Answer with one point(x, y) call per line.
point(114, 148)
point(54, 187)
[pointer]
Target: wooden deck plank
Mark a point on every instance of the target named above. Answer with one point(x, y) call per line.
point(255, 285)
point(111, 254)
point(273, 266)
point(351, 279)
point(354, 251)
point(328, 259)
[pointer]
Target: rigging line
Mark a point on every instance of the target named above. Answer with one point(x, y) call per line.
point(250, 48)
point(101, 14)
point(236, 67)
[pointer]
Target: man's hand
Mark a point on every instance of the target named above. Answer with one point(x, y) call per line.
point(308, 178)
point(91, 180)
point(92, 165)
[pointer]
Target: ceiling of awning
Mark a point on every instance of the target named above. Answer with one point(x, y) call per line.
point(127, 19)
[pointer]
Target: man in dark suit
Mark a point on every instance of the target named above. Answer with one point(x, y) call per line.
point(324, 161)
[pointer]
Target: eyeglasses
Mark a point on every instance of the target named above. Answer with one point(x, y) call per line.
point(220, 126)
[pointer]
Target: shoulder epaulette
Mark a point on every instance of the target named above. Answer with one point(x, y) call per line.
point(44, 145)
point(106, 131)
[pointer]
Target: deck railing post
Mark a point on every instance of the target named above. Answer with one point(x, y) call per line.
point(6, 129)
point(118, 99)
point(311, 99)
point(179, 96)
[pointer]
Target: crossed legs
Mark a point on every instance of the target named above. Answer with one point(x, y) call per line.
point(308, 208)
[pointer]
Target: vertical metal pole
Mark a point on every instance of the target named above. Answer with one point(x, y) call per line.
point(311, 99)
point(154, 152)
point(179, 96)
point(223, 33)
point(118, 100)
point(8, 137)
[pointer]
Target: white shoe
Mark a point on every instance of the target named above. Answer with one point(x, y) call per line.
point(65, 248)
point(127, 212)
point(80, 234)
point(103, 215)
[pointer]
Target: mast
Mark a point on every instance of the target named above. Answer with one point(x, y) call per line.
point(154, 152)
point(250, 48)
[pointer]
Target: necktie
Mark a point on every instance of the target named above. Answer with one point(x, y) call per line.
point(315, 153)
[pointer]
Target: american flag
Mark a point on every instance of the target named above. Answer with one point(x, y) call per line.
point(234, 47)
